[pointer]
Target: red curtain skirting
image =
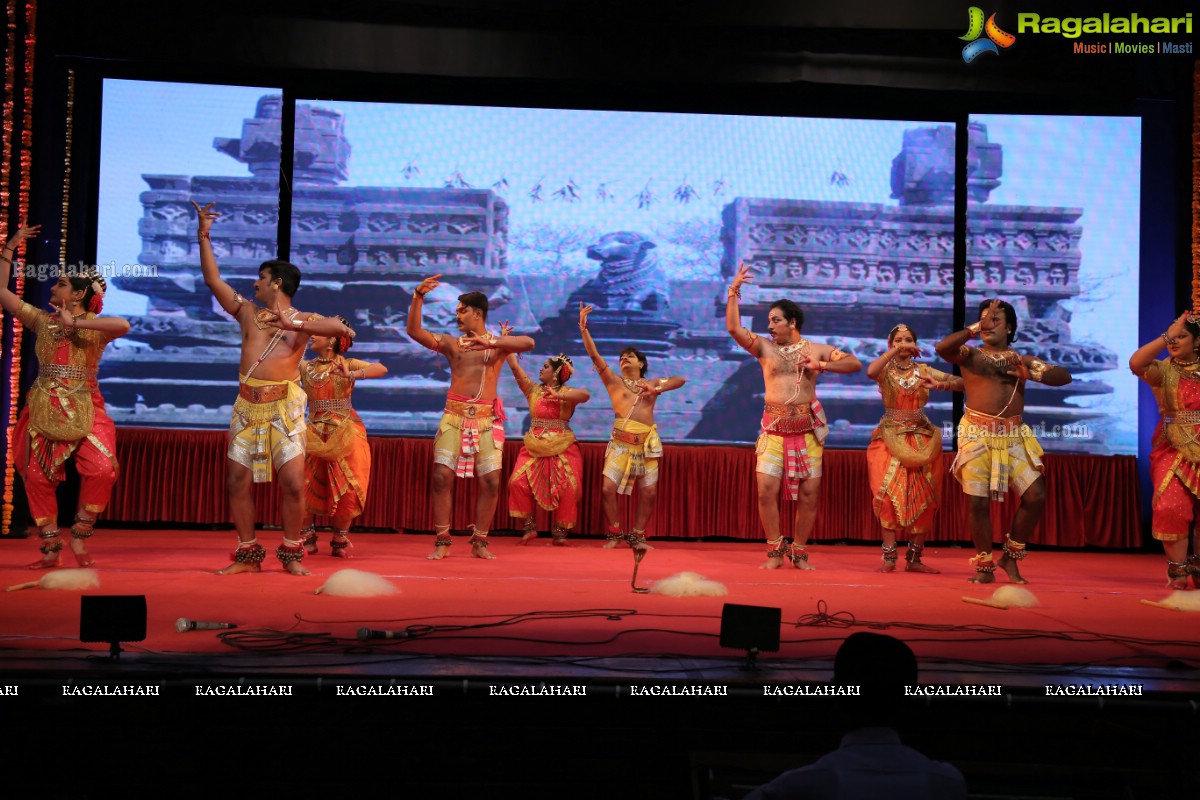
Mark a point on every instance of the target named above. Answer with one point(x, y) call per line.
point(178, 476)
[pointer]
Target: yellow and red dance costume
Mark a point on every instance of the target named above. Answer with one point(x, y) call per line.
point(470, 435)
point(791, 447)
point(266, 431)
point(1175, 460)
point(550, 464)
point(632, 456)
point(64, 416)
point(337, 461)
point(905, 466)
point(470, 441)
point(995, 454)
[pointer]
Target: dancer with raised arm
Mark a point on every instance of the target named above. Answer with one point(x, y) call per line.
point(905, 466)
point(267, 431)
point(1175, 452)
point(996, 449)
point(470, 435)
point(64, 414)
point(549, 469)
point(634, 448)
point(337, 462)
point(791, 441)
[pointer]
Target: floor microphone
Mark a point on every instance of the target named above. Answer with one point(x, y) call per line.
point(364, 634)
point(183, 625)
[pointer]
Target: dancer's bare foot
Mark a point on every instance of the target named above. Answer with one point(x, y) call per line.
point(296, 568)
point(774, 562)
point(441, 543)
point(528, 536)
point(612, 540)
point(308, 537)
point(480, 550)
point(800, 561)
point(51, 548)
point(80, 551)
point(921, 566)
point(1009, 565)
point(240, 566)
point(888, 566)
point(47, 561)
point(981, 577)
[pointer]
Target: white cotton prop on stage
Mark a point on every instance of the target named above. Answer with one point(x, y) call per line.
point(1177, 601)
point(68, 579)
point(689, 584)
point(1006, 597)
point(356, 583)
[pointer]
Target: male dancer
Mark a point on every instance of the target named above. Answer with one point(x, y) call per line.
point(267, 428)
point(996, 449)
point(793, 429)
point(470, 435)
point(634, 449)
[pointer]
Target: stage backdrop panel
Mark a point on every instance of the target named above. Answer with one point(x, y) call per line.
point(178, 477)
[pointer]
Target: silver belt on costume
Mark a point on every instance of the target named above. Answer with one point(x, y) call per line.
point(68, 372)
point(1184, 417)
point(905, 415)
point(339, 404)
point(548, 424)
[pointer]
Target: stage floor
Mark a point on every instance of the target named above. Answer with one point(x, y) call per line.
point(552, 612)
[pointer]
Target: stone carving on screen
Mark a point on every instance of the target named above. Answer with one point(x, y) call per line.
point(853, 267)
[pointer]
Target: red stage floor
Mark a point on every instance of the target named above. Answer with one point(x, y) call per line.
point(572, 611)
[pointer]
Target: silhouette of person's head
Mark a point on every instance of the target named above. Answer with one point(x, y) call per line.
point(881, 666)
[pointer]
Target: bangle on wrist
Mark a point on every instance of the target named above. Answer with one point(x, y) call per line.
point(974, 328)
point(299, 324)
point(203, 235)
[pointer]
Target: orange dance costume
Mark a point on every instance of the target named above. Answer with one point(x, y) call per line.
point(64, 416)
point(905, 465)
point(1175, 449)
point(337, 462)
point(550, 463)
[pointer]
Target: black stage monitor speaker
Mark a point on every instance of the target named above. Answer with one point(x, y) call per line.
point(753, 628)
point(112, 619)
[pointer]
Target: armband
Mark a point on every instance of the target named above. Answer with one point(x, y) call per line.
point(1037, 368)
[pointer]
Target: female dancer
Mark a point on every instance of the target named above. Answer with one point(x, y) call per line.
point(1175, 452)
point(904, 459)
point(337, 460)
point(64, 413)
point(550, 465)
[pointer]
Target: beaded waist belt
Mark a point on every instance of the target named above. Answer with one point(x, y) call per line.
point(788, 419)
point(68, 372)
point(469, 410)
point(628, 438)
point(785, 410)
point(1185, 417)
point(904, 415)
point(338, 404)
point(549, 424)
point(993, 424)
point(263, 394)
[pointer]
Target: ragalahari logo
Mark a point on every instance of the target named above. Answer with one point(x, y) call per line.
point(976, 28)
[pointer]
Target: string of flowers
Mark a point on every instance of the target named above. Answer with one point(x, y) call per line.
point(24, 177)
point(1196, 188)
